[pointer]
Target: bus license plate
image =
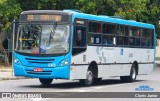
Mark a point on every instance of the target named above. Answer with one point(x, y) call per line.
point(38, 69)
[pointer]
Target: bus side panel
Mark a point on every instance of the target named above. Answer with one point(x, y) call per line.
point(145, 68)
point(78, 72)
point(116, 70)
point(126, 69)
point(114, 61)
point(100, 71)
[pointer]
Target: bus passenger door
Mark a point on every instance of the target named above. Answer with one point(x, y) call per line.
point(79, 48)
point(79, 37)
point(79, 40)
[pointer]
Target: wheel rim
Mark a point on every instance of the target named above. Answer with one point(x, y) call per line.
point(133, 73)
point(89, 77)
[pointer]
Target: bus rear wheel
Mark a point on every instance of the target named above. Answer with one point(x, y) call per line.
point(89, 78)
point(45, 82)
point(132, 76)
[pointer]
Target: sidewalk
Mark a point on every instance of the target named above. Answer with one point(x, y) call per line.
point(7, 74)
point(158, 62)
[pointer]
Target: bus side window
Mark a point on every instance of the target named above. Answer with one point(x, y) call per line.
point(147, 38)
point(131, 42)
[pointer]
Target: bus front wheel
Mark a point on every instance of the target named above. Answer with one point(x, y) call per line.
point(45, 82)
point(89, 78)
point(132, 76)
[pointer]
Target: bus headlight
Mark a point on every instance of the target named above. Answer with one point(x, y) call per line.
point(17, 61)
point(64, 63)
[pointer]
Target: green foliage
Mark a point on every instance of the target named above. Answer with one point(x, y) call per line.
point(97, 7)
point(153, 13)
point(130, 9)
point(48, 4)
point(9, 10)
point(147, 11)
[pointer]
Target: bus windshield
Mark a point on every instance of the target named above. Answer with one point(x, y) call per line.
point(43, 38)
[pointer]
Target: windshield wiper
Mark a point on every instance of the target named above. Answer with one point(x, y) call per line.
point(52, 32)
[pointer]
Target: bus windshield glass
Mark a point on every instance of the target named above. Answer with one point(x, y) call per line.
point(43, 38)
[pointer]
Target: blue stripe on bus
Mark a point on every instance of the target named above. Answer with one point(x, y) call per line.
point(109, 19)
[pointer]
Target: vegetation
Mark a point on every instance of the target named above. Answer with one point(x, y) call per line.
point(147, 11)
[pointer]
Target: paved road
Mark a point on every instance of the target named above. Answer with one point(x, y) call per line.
point(109, 85)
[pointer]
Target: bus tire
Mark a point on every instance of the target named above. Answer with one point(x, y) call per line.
point(97, 80)
point(89, 78)
point(132, 76)
point(45, 82)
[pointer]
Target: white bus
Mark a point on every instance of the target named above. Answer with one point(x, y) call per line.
point(94, 47)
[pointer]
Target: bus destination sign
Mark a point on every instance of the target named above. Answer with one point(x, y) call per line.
point(56, 18)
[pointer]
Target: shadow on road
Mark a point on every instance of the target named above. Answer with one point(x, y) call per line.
point(68, 85)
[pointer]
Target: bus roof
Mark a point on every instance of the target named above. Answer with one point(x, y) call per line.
point(109, 19)
point(44, 12)
point(78, 14)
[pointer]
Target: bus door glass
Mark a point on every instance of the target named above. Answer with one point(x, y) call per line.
point(79, 37)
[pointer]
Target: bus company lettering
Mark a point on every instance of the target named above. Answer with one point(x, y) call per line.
point(103, 53)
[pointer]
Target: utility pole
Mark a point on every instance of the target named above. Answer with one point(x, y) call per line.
point(13, 45)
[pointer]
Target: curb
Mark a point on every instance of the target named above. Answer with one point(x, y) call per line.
point(157, 64)
point(5, 70)
point(14, 78)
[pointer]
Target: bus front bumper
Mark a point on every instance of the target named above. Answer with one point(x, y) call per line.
point(57, 72)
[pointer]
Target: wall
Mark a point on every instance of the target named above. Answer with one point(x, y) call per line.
point(158, 49)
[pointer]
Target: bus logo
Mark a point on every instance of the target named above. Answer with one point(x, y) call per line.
point(121, 51)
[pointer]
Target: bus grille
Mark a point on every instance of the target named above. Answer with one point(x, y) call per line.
point(39, 61)
point(39, 73)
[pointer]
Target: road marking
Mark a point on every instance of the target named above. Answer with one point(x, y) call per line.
point(39, 99)
point(83, 90)
point(93, 88)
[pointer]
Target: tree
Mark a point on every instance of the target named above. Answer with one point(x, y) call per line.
point(9, 10)
point(153, 13)
point(48, 4)
point(130, 9)
point(97, 7)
